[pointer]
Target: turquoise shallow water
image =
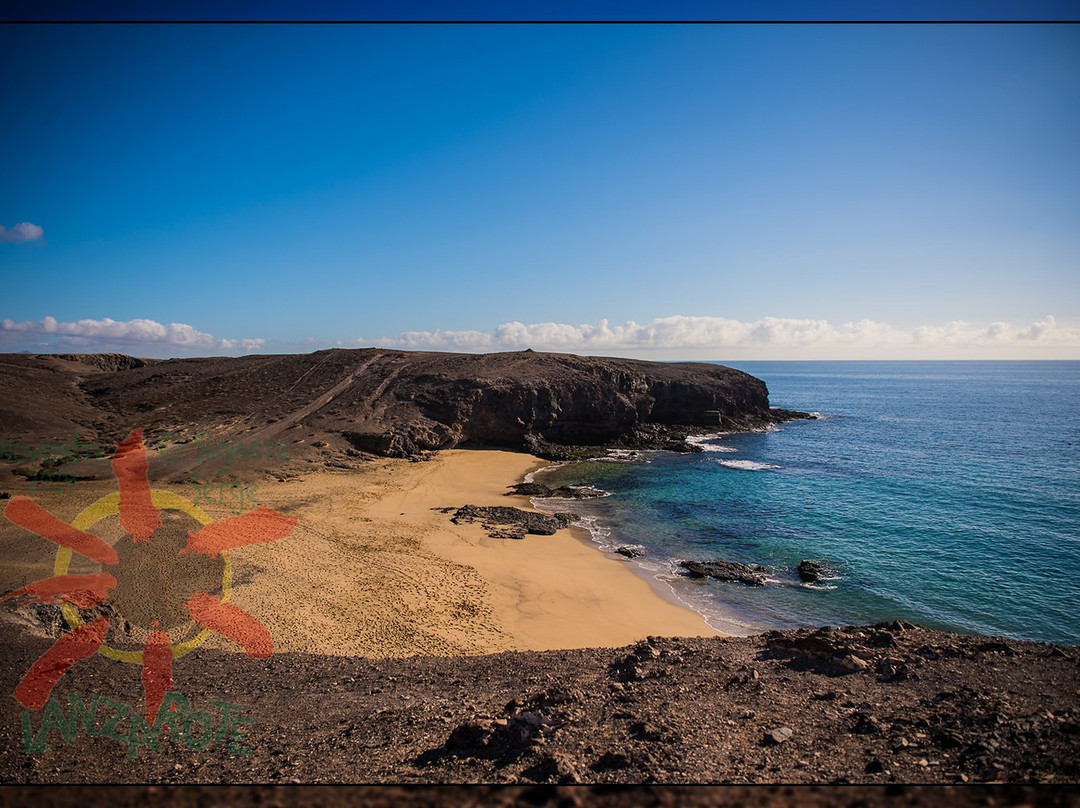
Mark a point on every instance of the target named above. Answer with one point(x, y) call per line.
point(946, 493)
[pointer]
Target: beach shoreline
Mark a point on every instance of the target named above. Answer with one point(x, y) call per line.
point(464, 592)
point(375, 569)
point(399, 656)
point(724, 619)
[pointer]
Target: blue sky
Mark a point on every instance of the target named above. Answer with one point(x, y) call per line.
point(741, 191)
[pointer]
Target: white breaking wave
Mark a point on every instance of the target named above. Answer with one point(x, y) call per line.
point(531, 476)
point(600, 534)
point(622, 456)
point(747, 465)
point(710, 447)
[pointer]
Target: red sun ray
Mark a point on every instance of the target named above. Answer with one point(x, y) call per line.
point(82, 591)
point(79, 643)
point(138, 516)
point(231, 622)
point(157, 672)
point(260, 526)
point(26, 513)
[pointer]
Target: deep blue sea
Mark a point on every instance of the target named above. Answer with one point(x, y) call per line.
point(944, 493)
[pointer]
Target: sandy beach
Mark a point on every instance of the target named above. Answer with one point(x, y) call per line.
point(373, 569)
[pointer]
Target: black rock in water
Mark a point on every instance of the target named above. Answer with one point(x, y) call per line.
point(529, 490)
point(811, 572)
point(562, 492)
point(726, 571)
point(630, 552)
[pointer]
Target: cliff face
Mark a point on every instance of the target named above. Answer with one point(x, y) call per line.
point(400, 403)
point(513, 400)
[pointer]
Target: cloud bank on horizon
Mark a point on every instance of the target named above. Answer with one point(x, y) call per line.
point(675, 337)
point(775, 336)
point(107, 335)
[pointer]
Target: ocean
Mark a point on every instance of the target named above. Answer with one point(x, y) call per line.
point(943, 493)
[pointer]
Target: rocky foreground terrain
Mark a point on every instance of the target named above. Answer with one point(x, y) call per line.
point(339, 404)
point(891, 703)
point(555, 796)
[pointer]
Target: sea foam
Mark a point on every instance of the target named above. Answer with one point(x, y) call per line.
point(702, 441)
point(747, 465)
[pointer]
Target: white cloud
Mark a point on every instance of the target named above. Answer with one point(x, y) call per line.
point(23, 231)
point(688, 337)
point(107, 334)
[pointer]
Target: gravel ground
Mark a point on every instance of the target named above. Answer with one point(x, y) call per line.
point(886, 704)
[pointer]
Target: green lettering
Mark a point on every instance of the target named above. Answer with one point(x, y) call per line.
point(54, 718)
point(206, 736)
point(224, 726)
point(79, 712)
point(31, 745)
point(200, 491)
point(236, 735)
point(110, 729)
point(174, 708)
point(140, 735)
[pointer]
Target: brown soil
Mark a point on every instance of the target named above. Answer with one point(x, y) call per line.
point(917, 707)
point(561, 796)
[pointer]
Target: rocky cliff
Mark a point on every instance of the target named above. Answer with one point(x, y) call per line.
point(390, 402)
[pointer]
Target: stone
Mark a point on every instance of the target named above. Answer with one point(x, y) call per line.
point(554, 767)
point(779, 735)
point(854, 663)
point(611, 760)
point(726, 571)
point(542, 491)
point(892, 668)
point(512, 523)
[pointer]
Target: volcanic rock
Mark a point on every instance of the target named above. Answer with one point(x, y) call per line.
point(726, 571)
point(542, 491)
point(512, 523)
point(385, 402)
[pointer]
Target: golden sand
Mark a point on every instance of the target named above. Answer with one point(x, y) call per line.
point(371, 569)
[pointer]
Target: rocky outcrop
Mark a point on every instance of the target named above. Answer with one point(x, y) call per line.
point(108, 362)
point(726, 571)
point(510, 523)
point(398, 403)
point(541, 491)
point(811, 572)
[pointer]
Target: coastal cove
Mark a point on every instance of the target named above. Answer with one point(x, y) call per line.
point(375, 569)
point(433, 621)
point(581, 403)
point(419, 584)
point(937, 492)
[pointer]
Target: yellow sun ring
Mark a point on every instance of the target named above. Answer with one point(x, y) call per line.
point(109, 505)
